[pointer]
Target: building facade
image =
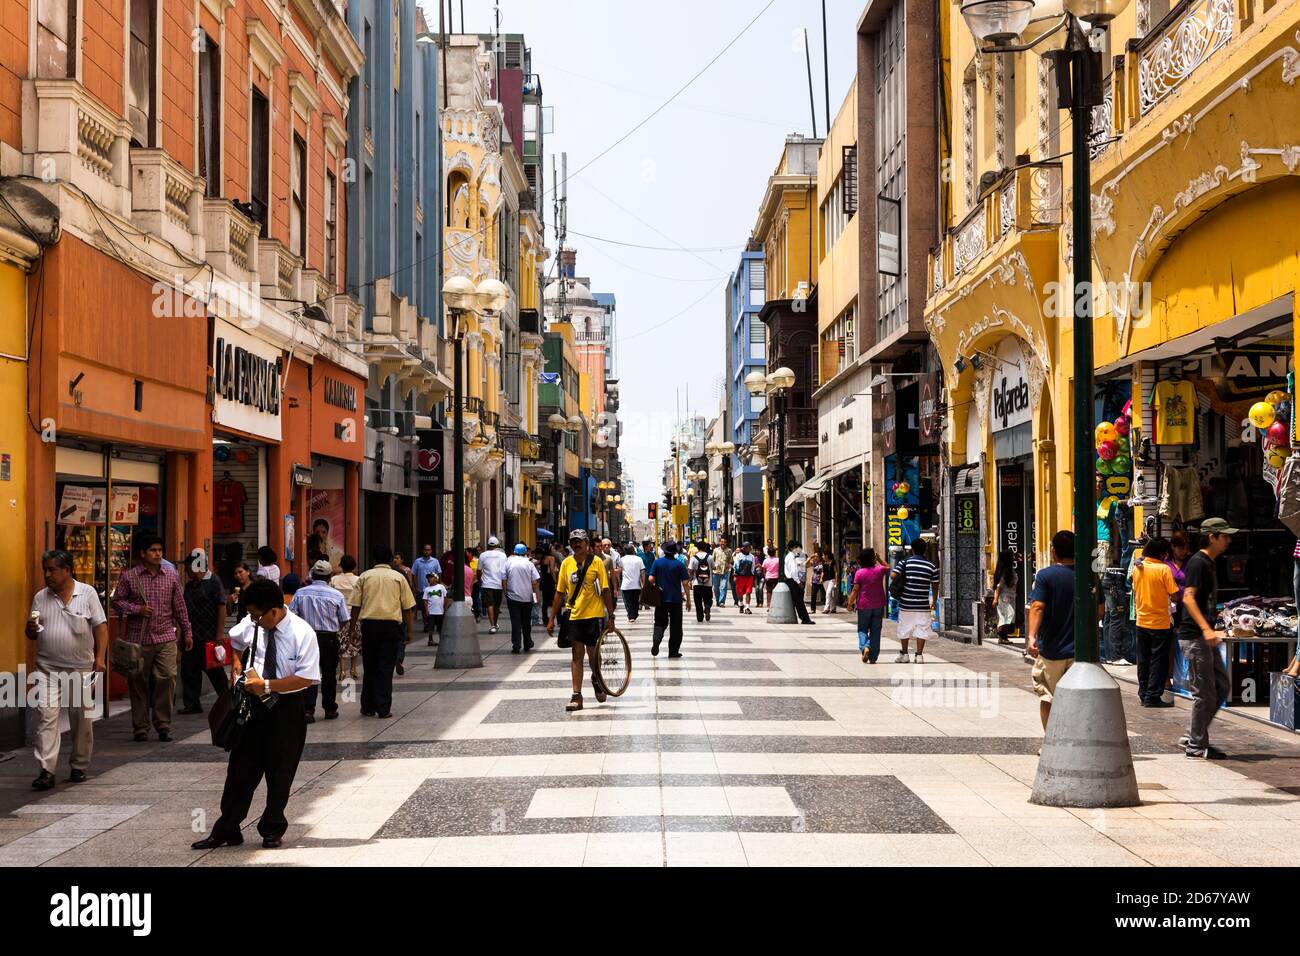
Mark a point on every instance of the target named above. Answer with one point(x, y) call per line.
point(746, 352)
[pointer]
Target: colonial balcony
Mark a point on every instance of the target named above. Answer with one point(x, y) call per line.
point(77, 139)
point(231, 244)
point(279, 270)
point(167, 200)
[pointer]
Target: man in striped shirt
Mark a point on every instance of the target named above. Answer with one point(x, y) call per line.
point(916, 606)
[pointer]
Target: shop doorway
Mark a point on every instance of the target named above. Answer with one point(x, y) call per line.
point(1016, 523)
point(239, 496)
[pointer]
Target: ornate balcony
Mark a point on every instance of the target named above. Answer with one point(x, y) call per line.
point(230, 240)
point(167, 200)
point(279, 270)
point(1179, 46)
point(78, 140)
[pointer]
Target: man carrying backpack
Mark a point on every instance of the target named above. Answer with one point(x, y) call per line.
point(915, 584)
point(699, 569)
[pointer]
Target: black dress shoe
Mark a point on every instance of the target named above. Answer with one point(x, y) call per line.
point(165, 736)
point(674, 656)
point(367, 713)
point(190, 710)
point(211, 843)
point(44, 782)
point(77, 776)
point(384, 716)
point(514, 650)
point(270, 843)
point(141, 737)
point(400, 670)
point(331, 715)
point(528, 646)
point(309, 718)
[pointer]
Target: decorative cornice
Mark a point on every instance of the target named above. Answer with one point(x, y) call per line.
point(302, 91)
point(336, 134)
point(218, 8)
point(264, 48)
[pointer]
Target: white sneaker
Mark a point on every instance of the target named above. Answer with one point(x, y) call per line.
point(492, 629)
point(901, 658)
point(918, 659)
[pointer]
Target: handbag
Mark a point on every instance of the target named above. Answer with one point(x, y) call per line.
point(127, 658)
point(562, 639)
point(651, 595)
point(216, 653)
point(898, 583)
point(231, 712)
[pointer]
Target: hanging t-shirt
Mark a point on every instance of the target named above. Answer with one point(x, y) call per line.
point(1175, 405)
point(228, 499)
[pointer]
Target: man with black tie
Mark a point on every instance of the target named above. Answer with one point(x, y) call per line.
point(282, 662)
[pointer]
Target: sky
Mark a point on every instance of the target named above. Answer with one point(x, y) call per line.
point(691, 178)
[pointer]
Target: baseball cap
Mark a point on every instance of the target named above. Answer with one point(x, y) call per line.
point(577, 534)
point(493, 542)
point(322, 568)
point(521, 548)
point(1216, 526)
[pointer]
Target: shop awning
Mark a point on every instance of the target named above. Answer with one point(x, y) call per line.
point(811, 487)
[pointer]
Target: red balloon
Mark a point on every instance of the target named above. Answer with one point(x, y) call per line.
point(1277, 434)
point(1122, 425)
point(1107, 450)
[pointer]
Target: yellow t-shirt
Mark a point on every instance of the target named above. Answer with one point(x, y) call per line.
point(1175, 405)
point(1153, 586)
point(591, 599)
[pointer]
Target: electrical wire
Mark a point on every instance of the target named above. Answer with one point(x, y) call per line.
point(659, 325)
point(682, 89)
point(635, 245)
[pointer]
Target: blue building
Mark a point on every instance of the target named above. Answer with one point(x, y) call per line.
point(394, 263)
point(746, 352)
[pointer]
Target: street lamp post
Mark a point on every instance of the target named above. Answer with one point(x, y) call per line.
point(780, 609)
point(458, 646)
point(725, 449)
point(1086, 760)
point(560, 426)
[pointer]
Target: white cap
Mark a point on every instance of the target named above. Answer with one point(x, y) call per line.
point(493, 542)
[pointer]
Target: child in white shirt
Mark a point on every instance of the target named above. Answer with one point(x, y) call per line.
point(434, 597)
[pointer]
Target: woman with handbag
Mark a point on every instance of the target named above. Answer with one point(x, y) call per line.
point(205, 602)
point(1005, 582)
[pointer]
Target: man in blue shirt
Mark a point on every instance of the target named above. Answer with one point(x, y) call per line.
point(670, 575)
point(1051, 622)
point(425, 565)
point(322, 606)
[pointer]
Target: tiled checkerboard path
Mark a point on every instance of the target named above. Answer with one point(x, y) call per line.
point(763, 745)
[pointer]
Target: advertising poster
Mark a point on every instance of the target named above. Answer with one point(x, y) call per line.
point(126, 505)
point(81, 505)
point(325, 511)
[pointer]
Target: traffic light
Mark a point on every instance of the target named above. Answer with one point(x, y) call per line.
point(652, 510)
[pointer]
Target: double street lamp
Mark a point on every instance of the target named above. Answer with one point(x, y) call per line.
point(458, 646)
point(775, 385)
point(1086, 761)
point(726, 449)
point(560, 426)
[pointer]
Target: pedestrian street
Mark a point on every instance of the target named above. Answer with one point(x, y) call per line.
point(763, 745)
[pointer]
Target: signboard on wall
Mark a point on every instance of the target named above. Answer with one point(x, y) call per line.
point(1010, 406)
point(247, 382)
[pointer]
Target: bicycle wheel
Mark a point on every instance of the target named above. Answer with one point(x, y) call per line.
point(613, 663)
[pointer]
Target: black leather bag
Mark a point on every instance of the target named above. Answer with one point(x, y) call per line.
point(231, 712)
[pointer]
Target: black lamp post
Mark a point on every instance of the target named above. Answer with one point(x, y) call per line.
point(1086, 760)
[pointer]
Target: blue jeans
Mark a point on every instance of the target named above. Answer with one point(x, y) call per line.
point(719, 589)
point(869, 623)
point(1118, 638)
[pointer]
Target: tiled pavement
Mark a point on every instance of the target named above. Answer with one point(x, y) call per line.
point(763, 745)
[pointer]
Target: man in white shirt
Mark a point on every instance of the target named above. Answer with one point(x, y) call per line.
point(71, 634)
point(633, 574)
point(491, 572)
point(523, 589)
point(796, 572)
point(283, 661)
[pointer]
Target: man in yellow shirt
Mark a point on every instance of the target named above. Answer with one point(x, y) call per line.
point(385, 603)
point(1153, 586)
point(584, 594)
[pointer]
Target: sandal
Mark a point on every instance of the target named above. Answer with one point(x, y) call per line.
point(575, 703)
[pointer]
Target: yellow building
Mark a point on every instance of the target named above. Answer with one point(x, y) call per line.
point(789, 230)
point(1194, 199)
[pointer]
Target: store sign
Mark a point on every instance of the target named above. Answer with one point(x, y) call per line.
point(302, 476)
point(429, 459)
point(337, 418)
point(247, 383)
point(888, 432)
point(968, 511)
point(1010, 391)
point(931, 426)
point(340, 394)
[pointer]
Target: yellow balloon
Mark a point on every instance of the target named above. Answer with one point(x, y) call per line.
point(1276, 397)
point(1262, 414)
point(1106, 431)
point(903, 514)
point(1277, 456)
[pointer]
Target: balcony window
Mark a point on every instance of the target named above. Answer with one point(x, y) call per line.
point(260, 158)
point(209, 117)
point(56, 39)
point(331, 228)
point(142, 73)
point(298, 198)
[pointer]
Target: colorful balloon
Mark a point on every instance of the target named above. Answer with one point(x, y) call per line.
point(1122, 425)
point(903, 514)
point(1277, 434)
point(903, 488)
point(1122, 465)
point(1107, 450)
point(1123, 445)
point(1262, 414)
point(1276, 456)
point(1127, 410)
point(1105, 432)
point(1275, 397)
point(1103, 466)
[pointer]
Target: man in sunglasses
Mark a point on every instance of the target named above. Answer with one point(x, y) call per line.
point(284, 662)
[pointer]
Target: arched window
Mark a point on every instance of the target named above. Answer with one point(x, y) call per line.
point(457, 200)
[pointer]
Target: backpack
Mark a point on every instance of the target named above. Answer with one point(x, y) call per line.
point(746, 567)
point(898, 583)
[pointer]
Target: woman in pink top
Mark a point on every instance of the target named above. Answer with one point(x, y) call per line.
point(771, 571)
point(869, 596)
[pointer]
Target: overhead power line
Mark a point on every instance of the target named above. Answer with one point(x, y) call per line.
point(637, 245)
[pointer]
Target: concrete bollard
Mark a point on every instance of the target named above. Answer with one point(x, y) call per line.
point(458, 644)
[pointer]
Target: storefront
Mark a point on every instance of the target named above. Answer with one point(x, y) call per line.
point(337, 451)
point(247, 416)
point(1011, 423)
